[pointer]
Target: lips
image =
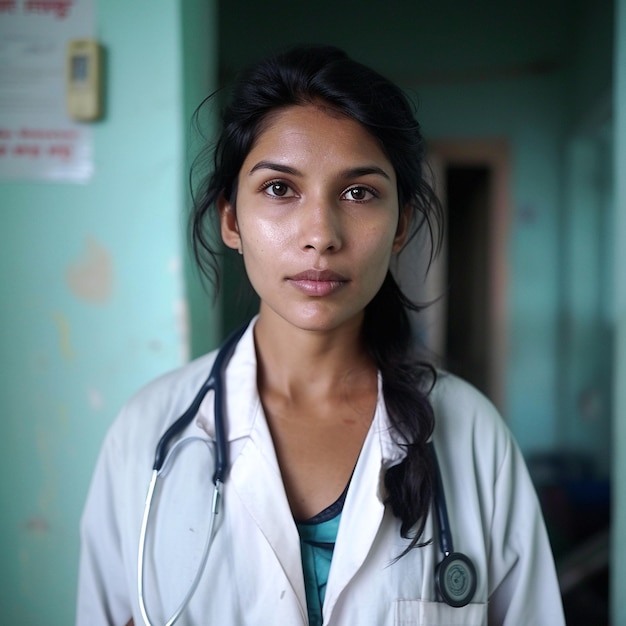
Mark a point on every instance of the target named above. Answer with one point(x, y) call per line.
point(318, 282)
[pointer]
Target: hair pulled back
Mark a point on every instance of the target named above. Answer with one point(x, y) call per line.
point(326, 74)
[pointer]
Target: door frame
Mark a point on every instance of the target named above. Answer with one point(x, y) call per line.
point(495, 155)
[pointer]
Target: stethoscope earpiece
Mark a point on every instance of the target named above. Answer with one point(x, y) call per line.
point(455, 579)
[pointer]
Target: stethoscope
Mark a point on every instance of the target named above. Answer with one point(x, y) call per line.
point(455, 575)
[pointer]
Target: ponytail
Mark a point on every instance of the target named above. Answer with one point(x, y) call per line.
point(406, 383)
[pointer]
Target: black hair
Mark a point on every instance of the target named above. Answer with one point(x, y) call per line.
point(310, 74)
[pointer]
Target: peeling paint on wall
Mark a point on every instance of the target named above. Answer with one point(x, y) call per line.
point(95, 399)
point(180, 309)
point(36, 524)
point(65, 339)
point(91, 277)
point(181, 315)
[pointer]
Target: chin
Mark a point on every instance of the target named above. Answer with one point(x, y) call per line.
point(325, 321)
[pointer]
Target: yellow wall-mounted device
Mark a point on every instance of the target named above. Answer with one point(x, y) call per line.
point(83, 80)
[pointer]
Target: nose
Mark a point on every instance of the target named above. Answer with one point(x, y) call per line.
point(320, 228)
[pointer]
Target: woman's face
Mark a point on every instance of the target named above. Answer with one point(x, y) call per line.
point(316, 218)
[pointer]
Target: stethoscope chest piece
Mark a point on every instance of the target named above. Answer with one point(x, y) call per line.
point(455, 578)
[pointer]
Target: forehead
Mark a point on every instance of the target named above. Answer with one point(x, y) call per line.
point(317, 131)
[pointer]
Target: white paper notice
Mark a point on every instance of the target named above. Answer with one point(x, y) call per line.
point(38, 141)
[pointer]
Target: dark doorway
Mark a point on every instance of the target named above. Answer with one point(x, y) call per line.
point(467, 331)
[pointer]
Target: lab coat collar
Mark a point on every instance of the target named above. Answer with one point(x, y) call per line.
point(242, 400)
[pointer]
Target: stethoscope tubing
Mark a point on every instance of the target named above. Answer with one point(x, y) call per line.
point(165, 450)
point(215, 383)
point(217, 491)
point(455, 575)
point(441, 509)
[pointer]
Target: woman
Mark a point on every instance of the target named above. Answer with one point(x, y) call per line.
point(328, 511)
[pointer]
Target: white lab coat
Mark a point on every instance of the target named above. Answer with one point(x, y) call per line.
point(254, 575)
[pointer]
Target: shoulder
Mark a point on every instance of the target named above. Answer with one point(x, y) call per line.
point(459, 405)
point(467, 425)
point(487, 488)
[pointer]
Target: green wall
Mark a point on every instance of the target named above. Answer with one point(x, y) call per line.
point(68, 357)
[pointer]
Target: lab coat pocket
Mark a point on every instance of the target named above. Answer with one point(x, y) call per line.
point(421, 613)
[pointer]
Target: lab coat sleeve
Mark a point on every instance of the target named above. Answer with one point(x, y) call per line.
point(523, 582)
point(102, 586)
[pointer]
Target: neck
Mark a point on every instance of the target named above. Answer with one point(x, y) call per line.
point(302, 364)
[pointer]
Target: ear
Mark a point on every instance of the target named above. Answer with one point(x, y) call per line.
point(228, 223)
point(402, 232)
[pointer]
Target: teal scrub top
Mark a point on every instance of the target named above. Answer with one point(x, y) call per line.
point(317, 542)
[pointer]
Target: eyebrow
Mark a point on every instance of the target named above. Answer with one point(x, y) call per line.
point(365, 170)
point(277, 167)
point(352, 172)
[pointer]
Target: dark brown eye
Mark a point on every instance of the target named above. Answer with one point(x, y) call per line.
point(278, 189)
point(358, 194)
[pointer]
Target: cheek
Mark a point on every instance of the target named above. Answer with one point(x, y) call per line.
point(262, 235)
point(275, 233)
point(379, 240)
point(378, 253)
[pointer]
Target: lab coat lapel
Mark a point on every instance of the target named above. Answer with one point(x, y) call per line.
point(257, 480)
point(363, 511)
point(255, 474)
